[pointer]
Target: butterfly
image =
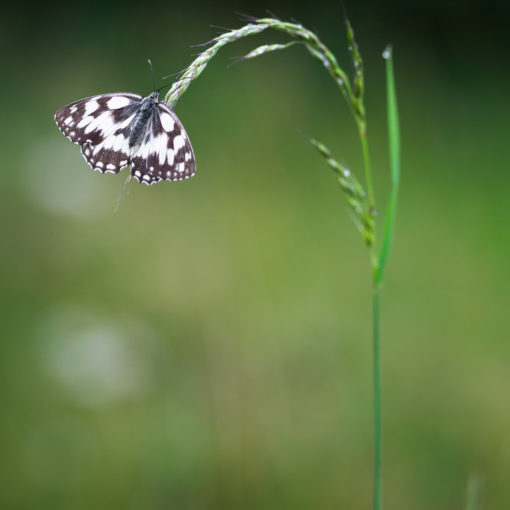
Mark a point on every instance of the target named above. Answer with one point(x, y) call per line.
point(121, 129)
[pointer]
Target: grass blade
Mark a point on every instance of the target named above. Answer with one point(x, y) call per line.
point(394, 150)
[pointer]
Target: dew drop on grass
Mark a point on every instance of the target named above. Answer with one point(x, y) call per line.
point(386, 54)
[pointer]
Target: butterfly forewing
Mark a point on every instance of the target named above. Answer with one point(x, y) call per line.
point(93, 118)
point(98, 124)
point(104, 125)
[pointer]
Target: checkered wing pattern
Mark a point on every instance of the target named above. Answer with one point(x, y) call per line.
point(121, 129)
point(100, 125)
point(166, 152)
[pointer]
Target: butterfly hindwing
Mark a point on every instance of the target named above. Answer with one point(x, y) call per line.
point(166, 152)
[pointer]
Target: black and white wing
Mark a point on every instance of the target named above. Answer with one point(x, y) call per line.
point(166, 152)
point(116, 130)
point(100, 125)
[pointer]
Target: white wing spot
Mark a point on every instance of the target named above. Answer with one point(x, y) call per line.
point(73, 109)
point(167, 122)
point(118, 102)
point(126, 122)
point(170, 156)
point(110, 166)
point(118, 143)
point(103, 122)
point(178, 142)
point(138, 173)
point(108, 142)
point(100, 164)
point(91, 107)
point(144, 152)
point(162, 156)
point(86, 120)
point(68, 121)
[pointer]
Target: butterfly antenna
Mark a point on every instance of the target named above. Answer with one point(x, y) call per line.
point(128, 180)
point(152, 74)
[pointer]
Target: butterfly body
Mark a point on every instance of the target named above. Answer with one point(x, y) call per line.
point(138, 127)
point(121, 129)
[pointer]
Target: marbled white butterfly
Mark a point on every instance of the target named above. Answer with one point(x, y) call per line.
point(121, 129)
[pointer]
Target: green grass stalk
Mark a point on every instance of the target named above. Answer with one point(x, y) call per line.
point(376, 378)
point(361, 200)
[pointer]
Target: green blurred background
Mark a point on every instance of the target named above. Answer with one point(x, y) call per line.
point(208, 346)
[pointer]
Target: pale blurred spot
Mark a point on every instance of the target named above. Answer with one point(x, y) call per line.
point(59, 181)
point(96, 361)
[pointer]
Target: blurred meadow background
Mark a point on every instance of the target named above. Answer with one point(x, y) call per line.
point(208, 345)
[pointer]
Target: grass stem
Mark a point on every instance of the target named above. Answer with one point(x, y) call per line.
point(361, 203)
point(376, 374)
